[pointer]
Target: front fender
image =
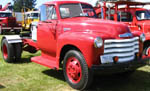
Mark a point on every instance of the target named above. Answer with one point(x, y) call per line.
point(83, 41)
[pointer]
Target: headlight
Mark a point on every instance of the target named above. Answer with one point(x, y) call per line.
point(98, 42)
point(142, 37)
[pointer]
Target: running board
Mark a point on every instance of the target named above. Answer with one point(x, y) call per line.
point(48, 62)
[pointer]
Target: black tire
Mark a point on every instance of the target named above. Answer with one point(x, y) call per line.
point(86, 75)
point(7, 51)
point(17, 51)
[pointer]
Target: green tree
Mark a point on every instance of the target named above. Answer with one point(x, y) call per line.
point(19, 4)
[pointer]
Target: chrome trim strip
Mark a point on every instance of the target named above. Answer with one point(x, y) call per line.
point(122, 40)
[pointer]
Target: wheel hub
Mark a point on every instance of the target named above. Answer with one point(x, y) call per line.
point(74, 70)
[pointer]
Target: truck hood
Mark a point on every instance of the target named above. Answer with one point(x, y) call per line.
point(104, 28)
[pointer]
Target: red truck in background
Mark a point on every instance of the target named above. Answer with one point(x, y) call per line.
point(131, 13)
point(69, 34)
point(7, 21)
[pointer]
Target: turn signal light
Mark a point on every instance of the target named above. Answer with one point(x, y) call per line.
point(137, 54)
point(115, 59)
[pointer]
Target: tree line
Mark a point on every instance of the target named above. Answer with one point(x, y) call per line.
point(20, 5)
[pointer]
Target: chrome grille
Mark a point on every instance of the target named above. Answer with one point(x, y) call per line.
point(125, 49)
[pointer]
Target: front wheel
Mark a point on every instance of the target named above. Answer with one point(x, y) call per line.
point(76, 71)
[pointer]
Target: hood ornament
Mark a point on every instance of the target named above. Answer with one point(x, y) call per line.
point(125, 35)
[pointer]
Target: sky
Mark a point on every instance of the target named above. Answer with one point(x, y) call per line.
point(39, 2)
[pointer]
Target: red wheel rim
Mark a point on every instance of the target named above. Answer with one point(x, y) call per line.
point(5, 54)
point(73, 70)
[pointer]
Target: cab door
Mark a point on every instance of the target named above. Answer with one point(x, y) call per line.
point(46, 36)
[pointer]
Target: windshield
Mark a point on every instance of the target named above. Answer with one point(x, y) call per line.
point(143, 15)
point(5, 14)
point(77, 10)
point(35, 15)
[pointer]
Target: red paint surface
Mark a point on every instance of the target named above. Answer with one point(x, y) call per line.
point(73, 70)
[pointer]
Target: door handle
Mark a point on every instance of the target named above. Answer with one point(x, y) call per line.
point(47, 21)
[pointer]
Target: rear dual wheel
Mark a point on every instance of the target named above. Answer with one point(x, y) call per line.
point(76, 71)
point(10, 52)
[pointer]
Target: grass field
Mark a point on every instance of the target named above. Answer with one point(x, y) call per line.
point(28, 76)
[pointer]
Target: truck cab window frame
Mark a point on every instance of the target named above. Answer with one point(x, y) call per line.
point(51, 13)
point(124, 16)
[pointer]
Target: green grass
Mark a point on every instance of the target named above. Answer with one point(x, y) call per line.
point(29, 76)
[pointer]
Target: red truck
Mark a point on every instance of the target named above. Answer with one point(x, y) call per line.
point(69, 34)
point(131, 13)
point(8, 22)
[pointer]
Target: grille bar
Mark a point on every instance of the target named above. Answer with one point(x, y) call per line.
point(121, 49)
point(122, 54)
point(135, 43)
point(125, 49)
point(122, 40)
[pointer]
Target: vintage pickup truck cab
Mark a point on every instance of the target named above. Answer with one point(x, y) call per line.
point(70, 34)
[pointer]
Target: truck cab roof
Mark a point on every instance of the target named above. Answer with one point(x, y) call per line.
point(63, 2)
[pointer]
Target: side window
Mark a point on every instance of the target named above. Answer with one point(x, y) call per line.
point(125, 17)
point(51, 13)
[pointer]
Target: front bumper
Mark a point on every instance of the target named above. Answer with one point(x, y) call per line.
point(120, 67)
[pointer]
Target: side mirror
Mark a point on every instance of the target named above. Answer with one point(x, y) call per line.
point(43, 13)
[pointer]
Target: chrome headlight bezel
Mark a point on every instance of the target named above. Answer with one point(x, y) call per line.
point(98, 42)
point(142, 37)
